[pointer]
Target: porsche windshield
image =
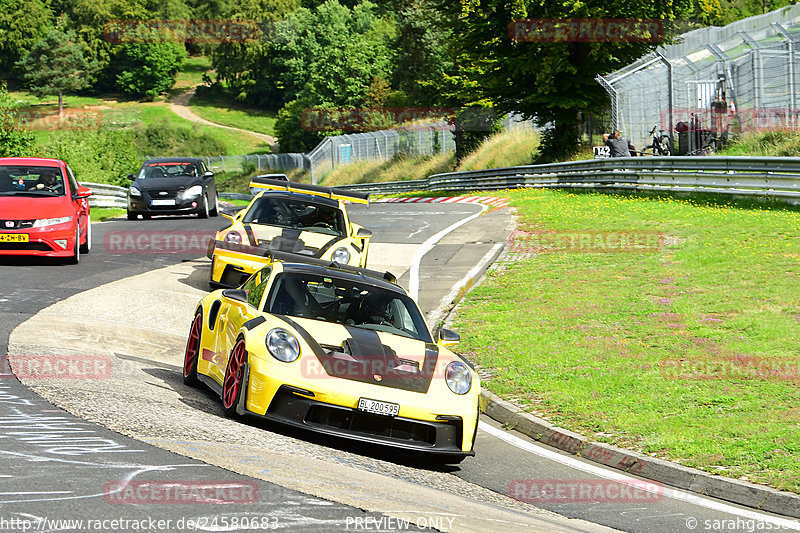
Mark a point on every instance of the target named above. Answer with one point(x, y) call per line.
point(31, 181)
point(348, 303)
point(167, 170)
point(296, 214)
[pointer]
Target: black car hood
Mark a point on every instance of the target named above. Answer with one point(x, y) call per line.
point(168, 184)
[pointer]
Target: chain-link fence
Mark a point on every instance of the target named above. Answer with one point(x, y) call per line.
point(334, 151)
point(716, 82)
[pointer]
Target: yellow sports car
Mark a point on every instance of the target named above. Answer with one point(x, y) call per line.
point(308, 220)
point(338, 350)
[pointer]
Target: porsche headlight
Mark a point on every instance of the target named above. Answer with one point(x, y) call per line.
point(341, 256)
point(458, 377)
point(42, 222)
point(233, 237)
point(195, 190)
point(282, 345)
point(134, 191)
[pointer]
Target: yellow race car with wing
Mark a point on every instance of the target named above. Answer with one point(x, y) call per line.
point(337, 350)
point(307, 220)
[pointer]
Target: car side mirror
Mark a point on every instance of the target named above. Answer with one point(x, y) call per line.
point(227, 215)
point(208, 174)
point(448, 337)
point(363, 233)
point(83, 192)
point(235, 294)
point(131, 177)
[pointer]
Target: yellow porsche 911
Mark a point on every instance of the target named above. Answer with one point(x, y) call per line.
point(308, 220)
point(337, 350)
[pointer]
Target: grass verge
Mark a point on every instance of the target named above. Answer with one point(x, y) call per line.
point(685, 350)
point(220, 111)
point(101, 214)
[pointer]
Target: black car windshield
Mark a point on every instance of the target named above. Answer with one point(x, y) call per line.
point(166, 169)
point(296, 214)
point(31, 181)
point(348, 303)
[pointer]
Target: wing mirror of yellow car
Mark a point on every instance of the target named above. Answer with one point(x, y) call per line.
point(235, 294)
point(363, 233)
point(448, 338)
point(226, 215)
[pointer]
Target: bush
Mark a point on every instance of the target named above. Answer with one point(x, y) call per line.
point(149, 68)
point(161, 138)
point(99, 156)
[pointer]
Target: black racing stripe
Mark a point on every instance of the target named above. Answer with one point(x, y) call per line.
point(288, 241)
point(311, 341)
point(326, 247)
point(359, 369)
point(250, 235)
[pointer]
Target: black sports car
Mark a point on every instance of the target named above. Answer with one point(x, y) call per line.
point(173, 186)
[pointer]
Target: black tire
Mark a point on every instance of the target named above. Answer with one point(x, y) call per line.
point(193, 350)
point(132, 216)
point(87, 247)
point(214, 212)
point(202, 210)
point(76, 249)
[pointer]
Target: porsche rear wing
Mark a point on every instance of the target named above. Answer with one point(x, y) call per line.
point(268, 255)
point(333, 193)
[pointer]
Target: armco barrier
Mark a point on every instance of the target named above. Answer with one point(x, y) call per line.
point(104, 195)
point(759, 176)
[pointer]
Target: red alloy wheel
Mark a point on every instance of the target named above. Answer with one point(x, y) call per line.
point(192, 347)
point(233, 376)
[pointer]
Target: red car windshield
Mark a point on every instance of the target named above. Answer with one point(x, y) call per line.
point(31, 181)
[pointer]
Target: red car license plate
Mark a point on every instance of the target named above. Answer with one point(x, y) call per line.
point(378, 407)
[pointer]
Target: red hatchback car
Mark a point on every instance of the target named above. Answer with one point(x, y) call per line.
point(43, 210)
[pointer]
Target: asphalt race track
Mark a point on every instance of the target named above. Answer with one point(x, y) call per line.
point(131, 309)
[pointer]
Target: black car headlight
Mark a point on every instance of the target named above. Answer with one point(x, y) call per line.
point(282, 345)
point(458, 377)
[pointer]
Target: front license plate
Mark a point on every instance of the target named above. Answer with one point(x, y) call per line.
point(163, 202)
point(377, 407)
point(13, 237)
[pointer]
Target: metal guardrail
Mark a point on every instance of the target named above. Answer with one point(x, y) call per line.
point(105, 195)
point(761, 176)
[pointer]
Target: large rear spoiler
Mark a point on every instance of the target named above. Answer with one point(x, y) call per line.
point(270, 255)
point(304, 188)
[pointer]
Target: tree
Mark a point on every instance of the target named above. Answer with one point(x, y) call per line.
point(550, 81)
point(55, 65)
point(22, 23)
point(148, 67)
point(14, 140)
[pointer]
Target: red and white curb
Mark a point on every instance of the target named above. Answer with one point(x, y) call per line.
point(494, 201)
